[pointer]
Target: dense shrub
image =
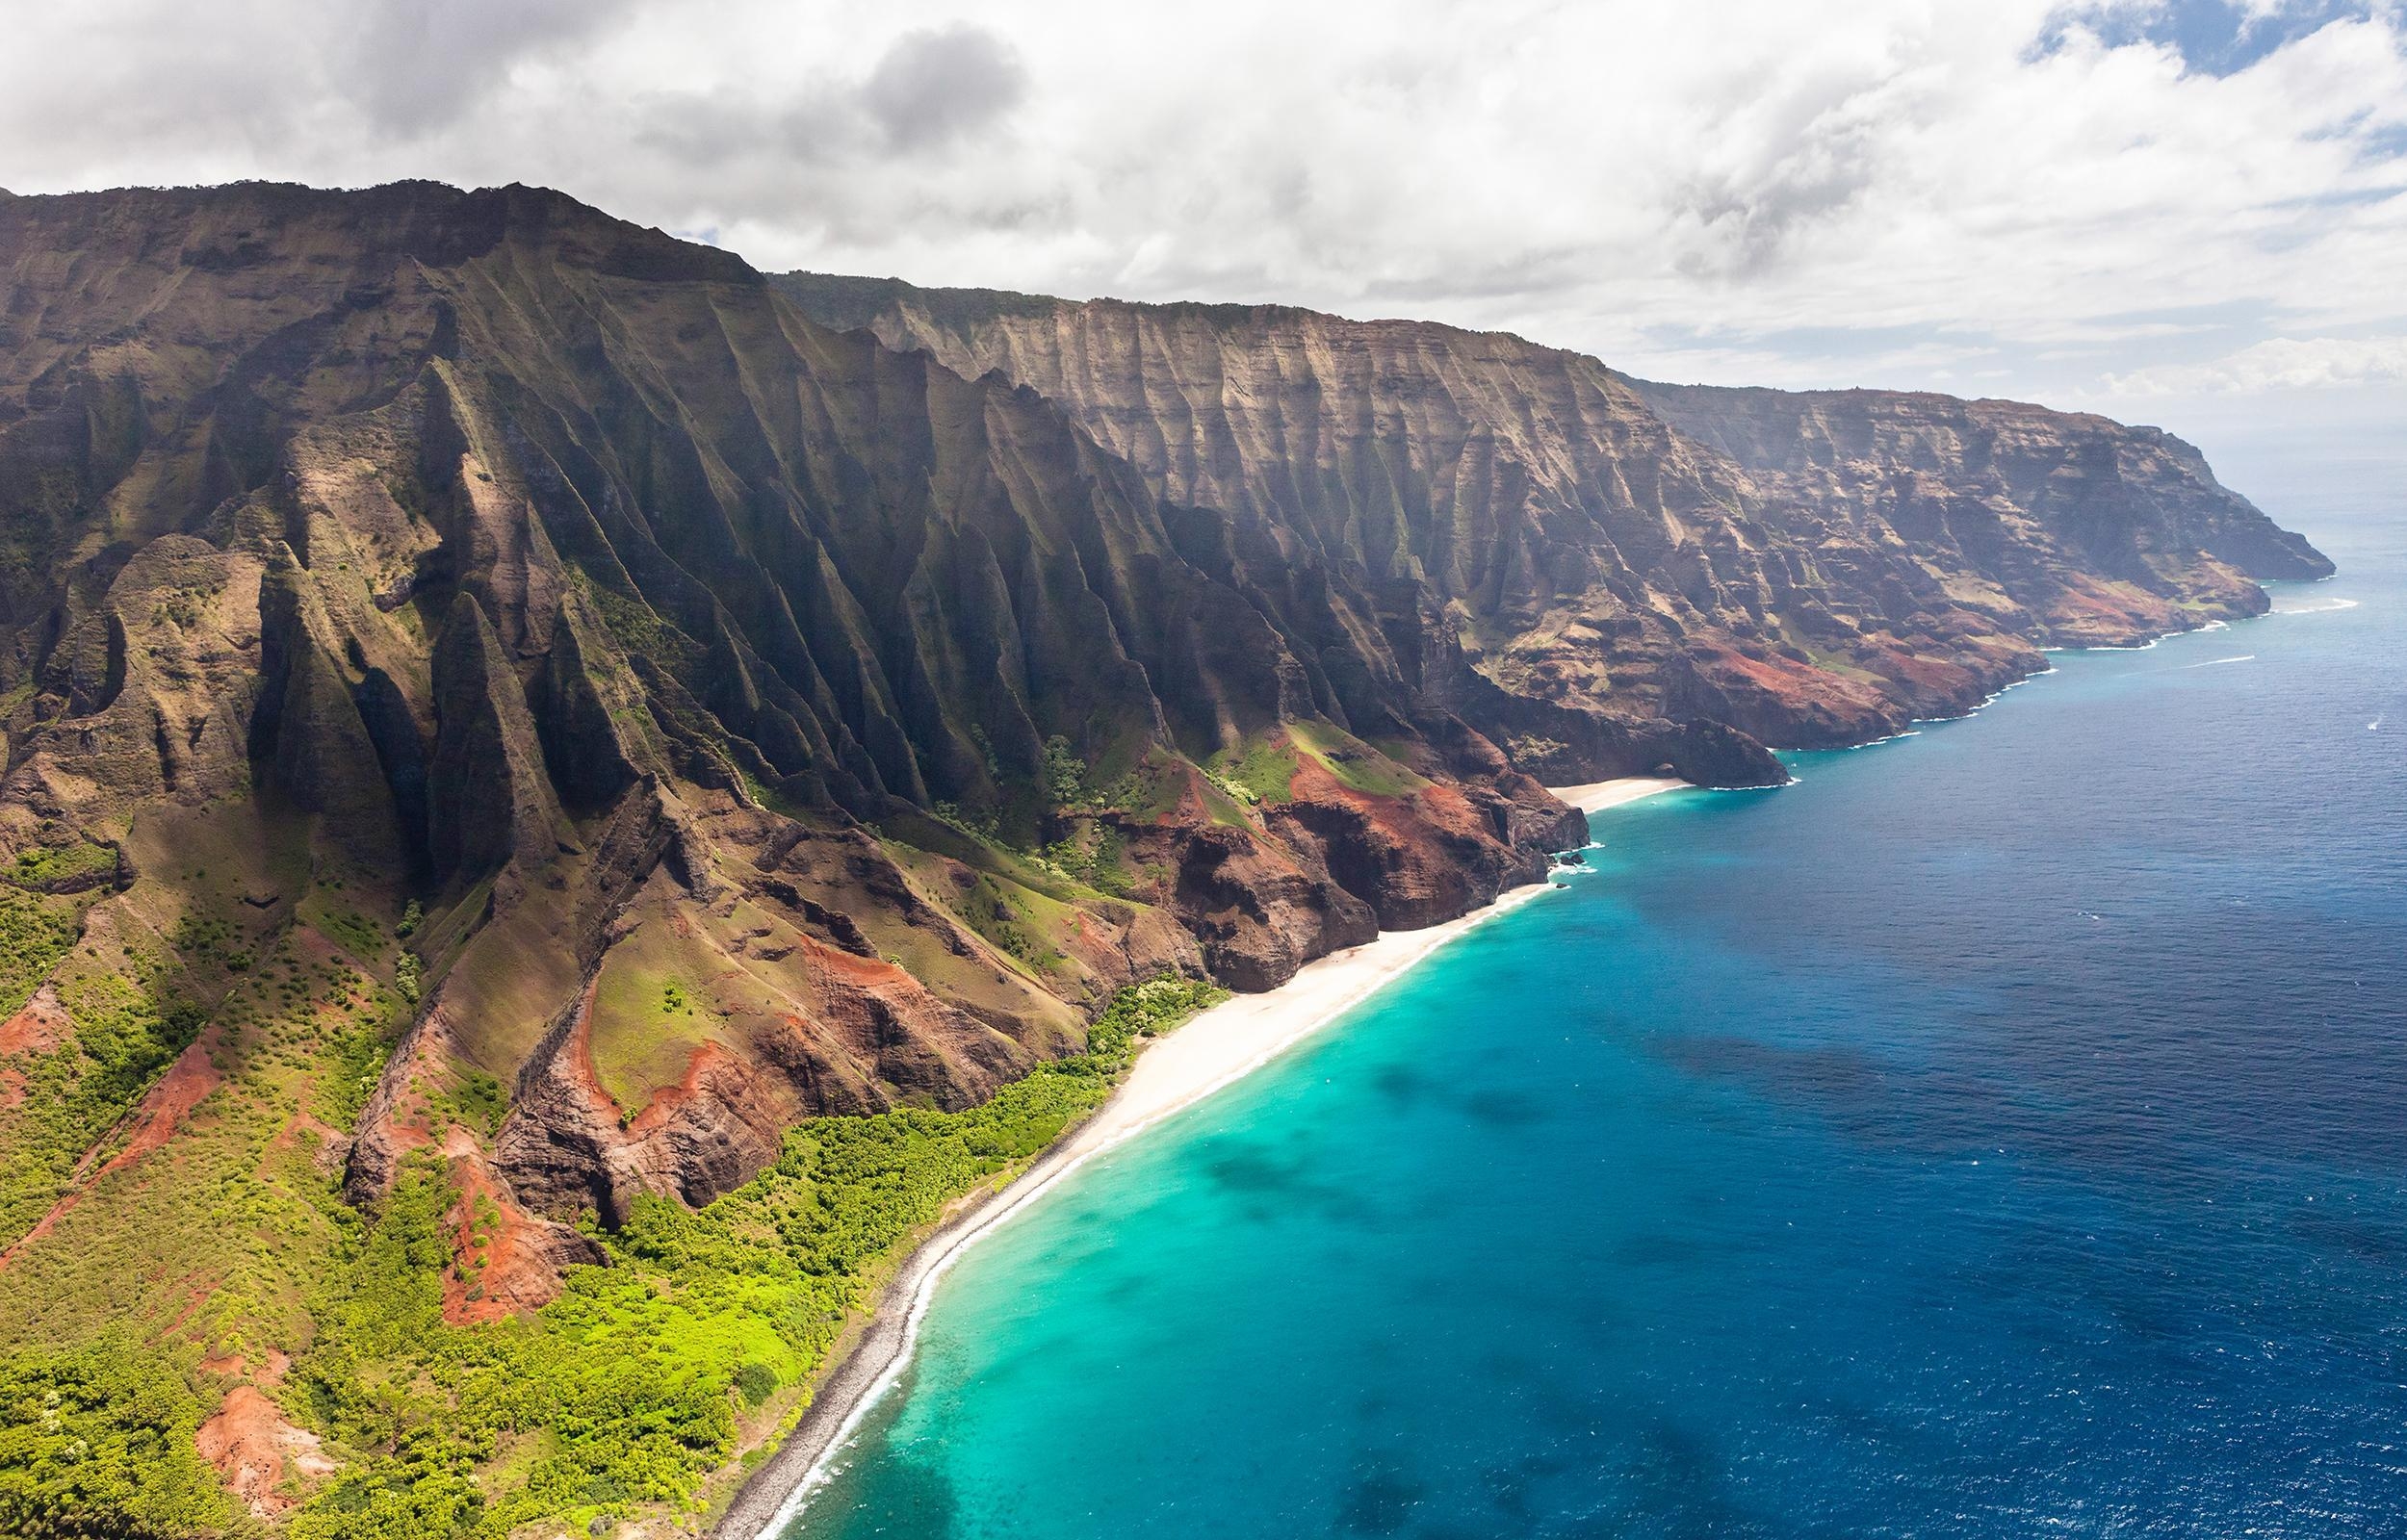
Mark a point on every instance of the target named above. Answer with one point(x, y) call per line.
point(98, 1442)
point(624, 1391)
point(636, 1372)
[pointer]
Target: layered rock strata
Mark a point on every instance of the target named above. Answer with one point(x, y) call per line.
point(1603, 574)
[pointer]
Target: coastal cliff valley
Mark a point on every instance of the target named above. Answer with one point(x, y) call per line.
point(564, 796)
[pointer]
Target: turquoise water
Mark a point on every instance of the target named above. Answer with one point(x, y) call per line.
point(2001, 1132)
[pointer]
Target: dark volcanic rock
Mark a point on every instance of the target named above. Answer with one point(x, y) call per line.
point(488, 800)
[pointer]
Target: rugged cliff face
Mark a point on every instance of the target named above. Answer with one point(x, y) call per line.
point(2130, 503)
point(1590, 566)
point(582, 709)
point(754, 721)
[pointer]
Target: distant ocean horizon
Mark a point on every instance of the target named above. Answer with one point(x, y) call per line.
point(2001, 1131)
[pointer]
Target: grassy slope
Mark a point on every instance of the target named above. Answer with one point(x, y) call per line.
point(231, 1242)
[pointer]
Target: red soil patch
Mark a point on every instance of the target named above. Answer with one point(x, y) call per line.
point(1780, 678)
point(2090, 609)
point(666, 1100)
point(581, 1050)
point(847, 968)
point(189, 1080)
point(1191, 807)
point(232, 1365)
point(41, 1025)
point(251, 1444)
point(1934, 676)
point(518, 1272)
point(400, 1117)
point(1797, 689)
point(1407, 820)
point(156, 1116)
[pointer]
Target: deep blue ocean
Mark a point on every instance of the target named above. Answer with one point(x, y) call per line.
point(2000, 1131)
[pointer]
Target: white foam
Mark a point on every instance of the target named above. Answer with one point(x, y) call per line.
point(1909, 733)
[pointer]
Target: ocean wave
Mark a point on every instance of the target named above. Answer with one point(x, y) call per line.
point(1909, 733)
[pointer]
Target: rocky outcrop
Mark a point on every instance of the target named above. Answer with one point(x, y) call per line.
point(489, 802)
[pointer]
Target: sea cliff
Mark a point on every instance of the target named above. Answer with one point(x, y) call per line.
point(514, 719)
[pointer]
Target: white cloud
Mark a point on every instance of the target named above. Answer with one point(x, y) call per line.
point(2280, 363)
point(1868, 191)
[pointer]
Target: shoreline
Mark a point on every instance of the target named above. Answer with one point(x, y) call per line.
point(1222, 1046)
point(1599, 795)
point(1215, 1049)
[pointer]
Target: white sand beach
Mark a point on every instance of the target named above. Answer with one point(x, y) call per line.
point(1599, 795)
point(1237, 1037)
point(1216, 1049)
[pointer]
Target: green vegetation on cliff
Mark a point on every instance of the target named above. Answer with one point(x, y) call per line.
point(99, 1442)
point(35, 933)
point(67, 1095)
point(629, 1389)
point(62, 868)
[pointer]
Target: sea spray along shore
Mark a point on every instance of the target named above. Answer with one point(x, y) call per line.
point(1216, 1049)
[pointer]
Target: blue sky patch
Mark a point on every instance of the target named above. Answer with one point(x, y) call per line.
point(2213, 36)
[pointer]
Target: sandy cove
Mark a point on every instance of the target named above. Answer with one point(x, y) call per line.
point(1599, 795)
point(1217, 1048)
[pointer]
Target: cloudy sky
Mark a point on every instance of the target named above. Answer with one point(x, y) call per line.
point(2191, 212)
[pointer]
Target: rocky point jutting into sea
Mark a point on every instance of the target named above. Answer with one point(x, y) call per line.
point(659, 702)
